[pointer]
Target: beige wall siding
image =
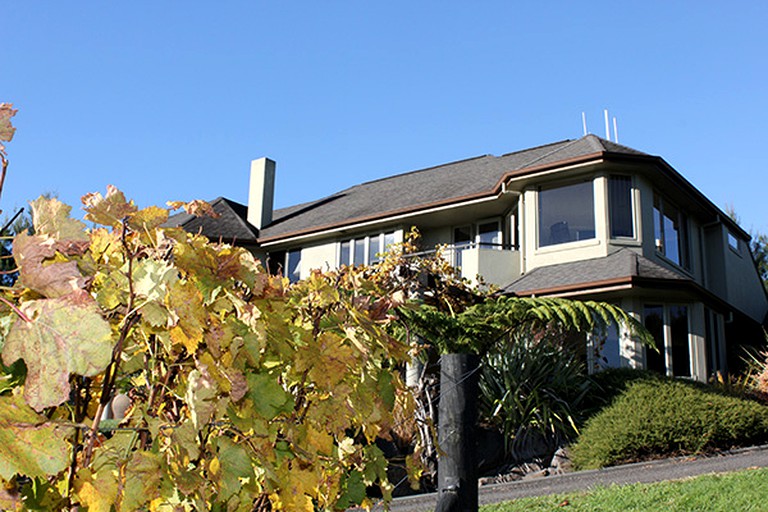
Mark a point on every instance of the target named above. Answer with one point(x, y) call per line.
point(320, 256)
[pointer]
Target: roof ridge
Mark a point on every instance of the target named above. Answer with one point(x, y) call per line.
point(604, 147)
point(243, 221)
point(569, 143)
point(541, 146)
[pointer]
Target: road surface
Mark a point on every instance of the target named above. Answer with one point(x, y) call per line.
point(641, 472)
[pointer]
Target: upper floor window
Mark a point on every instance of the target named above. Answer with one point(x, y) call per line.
point(364, 250)
point(670, 226)
point(733, 241)
point(620, 207)
point(566, 214)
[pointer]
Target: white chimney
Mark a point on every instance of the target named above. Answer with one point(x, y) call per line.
point(261, 192)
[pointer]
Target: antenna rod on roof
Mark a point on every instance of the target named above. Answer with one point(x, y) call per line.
point(607, 125)
point(584, 122)
point(615, 131)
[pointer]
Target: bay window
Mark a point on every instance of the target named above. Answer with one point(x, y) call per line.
point(566, 214)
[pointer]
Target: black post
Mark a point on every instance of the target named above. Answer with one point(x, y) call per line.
point(457, 417)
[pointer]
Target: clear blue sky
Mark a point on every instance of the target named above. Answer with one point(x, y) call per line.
point(171, 100)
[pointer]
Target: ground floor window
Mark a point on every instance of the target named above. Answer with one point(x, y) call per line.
point(670, 327)
point(604, 349)
point(285, 263)
point(293, 265)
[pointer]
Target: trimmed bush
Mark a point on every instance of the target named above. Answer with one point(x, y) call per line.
point(607, 385)
point(663, 417)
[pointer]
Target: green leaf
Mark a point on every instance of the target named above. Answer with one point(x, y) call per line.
point(51, 217)
point(63, 336)
point(268, 396)
point(144, 480)
point(151, 279)
point(353, 492)
point(236, 467)
point(29, 444)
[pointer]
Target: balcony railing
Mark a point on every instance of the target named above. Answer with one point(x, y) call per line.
point(497, 264)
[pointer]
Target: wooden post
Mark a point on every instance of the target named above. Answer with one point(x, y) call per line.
point(456, 465)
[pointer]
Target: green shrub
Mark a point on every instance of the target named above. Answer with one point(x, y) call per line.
point(532, 390)
point(609, 384)
point(662, 417)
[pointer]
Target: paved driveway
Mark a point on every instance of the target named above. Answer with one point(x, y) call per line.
point(642, 472)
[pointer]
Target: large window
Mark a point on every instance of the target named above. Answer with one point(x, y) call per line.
point(670, 227)
point(566, 214)
point(364, 250)
point(670, 329)
point(620, 206)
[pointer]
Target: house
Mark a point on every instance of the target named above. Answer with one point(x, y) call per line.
point(585, 218)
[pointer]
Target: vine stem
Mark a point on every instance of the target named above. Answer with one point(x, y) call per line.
point(110, 374)
point(15, 309)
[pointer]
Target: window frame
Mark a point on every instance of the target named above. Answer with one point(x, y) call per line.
point(660, 215)
point(539, 223)
point(632, 208)
point(289, 254)
point(367, 257)
point(734, 243)
point(668, 345)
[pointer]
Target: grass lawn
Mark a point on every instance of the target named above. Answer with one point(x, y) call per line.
point(739, 491)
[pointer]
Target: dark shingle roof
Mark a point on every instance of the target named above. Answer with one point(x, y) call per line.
point(434, 186)
point(231, 225)
point(623, 265)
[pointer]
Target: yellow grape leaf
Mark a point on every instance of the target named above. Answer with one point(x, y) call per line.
point(299, 487)
point(320, 441)
point(111, 289)
point(6, 129)
point(109, 210)
point(187, 303)
point(197, 208)
point(98, 496)
point(106, 247)
point(51, 217)
point(62, 336)
point(180, 337)
point(148, 219)
point(214, 466)
point(52, 279)
point(29, 444)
